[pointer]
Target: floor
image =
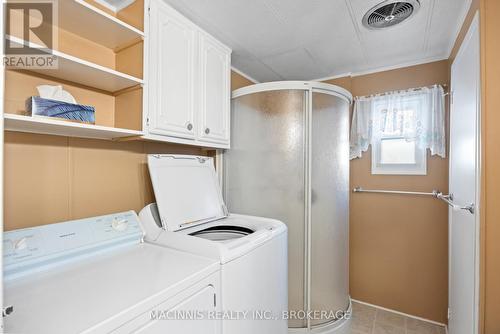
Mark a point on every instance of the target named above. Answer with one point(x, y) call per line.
point(370, 320)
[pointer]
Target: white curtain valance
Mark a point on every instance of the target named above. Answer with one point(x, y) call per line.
point(416, 115)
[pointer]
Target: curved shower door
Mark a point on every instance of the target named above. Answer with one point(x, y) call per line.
point(264, 171)
point(329, 228)
point(289, 160)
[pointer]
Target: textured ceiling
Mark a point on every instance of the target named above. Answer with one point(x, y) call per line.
point(311, 39)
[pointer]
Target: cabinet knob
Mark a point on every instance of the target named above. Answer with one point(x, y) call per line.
point(207, 131)
point(189, 126)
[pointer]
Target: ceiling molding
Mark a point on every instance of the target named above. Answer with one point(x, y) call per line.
point(459, 26)
point(244, 75)
point(384, 68)
point(398, 66)
point(333, 77)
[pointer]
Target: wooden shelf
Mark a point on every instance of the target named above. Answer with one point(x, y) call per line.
point(57, 127)
point(83, 72)
point(83, 19)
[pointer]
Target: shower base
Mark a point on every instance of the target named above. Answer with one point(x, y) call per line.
point(342, 326)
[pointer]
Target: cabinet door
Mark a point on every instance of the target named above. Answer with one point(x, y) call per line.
point(215, 71)
point(172, 73)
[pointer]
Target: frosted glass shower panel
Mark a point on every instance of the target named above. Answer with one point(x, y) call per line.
point(329, 204)
point(264, 171)
point(289, 160)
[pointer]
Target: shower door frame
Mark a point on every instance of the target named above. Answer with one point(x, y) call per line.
point(309, 89)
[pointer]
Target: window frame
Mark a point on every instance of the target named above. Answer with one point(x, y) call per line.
point(378, 168)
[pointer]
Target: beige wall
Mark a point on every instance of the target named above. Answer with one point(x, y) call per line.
point(50, 179)
point(399, 244)
point(238, 81)
point(490, 215)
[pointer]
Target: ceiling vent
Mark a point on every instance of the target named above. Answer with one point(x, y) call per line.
point(389, 13)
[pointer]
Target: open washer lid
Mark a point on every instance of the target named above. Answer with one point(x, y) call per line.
point(187, 190)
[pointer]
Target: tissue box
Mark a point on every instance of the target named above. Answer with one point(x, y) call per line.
point(37, 106)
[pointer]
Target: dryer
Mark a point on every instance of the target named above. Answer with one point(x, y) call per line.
point(190, 215)
point(96, 275)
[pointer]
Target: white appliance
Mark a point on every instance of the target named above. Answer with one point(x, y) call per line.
point(97, 276)
point(190, 215)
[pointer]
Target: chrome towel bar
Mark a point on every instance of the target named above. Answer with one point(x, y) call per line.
point(448, 199)
point(434, 193)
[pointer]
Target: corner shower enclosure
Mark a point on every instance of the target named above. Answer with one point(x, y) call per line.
point(289, 160)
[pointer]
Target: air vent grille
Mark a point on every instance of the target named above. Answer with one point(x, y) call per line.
point(390, 13)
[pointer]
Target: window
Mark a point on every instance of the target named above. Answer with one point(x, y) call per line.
point(395, 151)
point(400, 126)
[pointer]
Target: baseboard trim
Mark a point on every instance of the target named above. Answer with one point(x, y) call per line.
point(403, 314)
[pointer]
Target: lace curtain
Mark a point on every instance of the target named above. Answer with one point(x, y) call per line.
point(415, 115)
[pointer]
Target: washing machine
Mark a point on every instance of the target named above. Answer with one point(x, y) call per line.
point(96, 275)
point(190, 215)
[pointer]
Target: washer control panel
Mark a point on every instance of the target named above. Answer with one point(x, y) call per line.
point(41, 246)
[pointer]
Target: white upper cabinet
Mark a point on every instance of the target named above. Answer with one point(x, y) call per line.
point(215, 70)
point(188, 82)
point(172, 73)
